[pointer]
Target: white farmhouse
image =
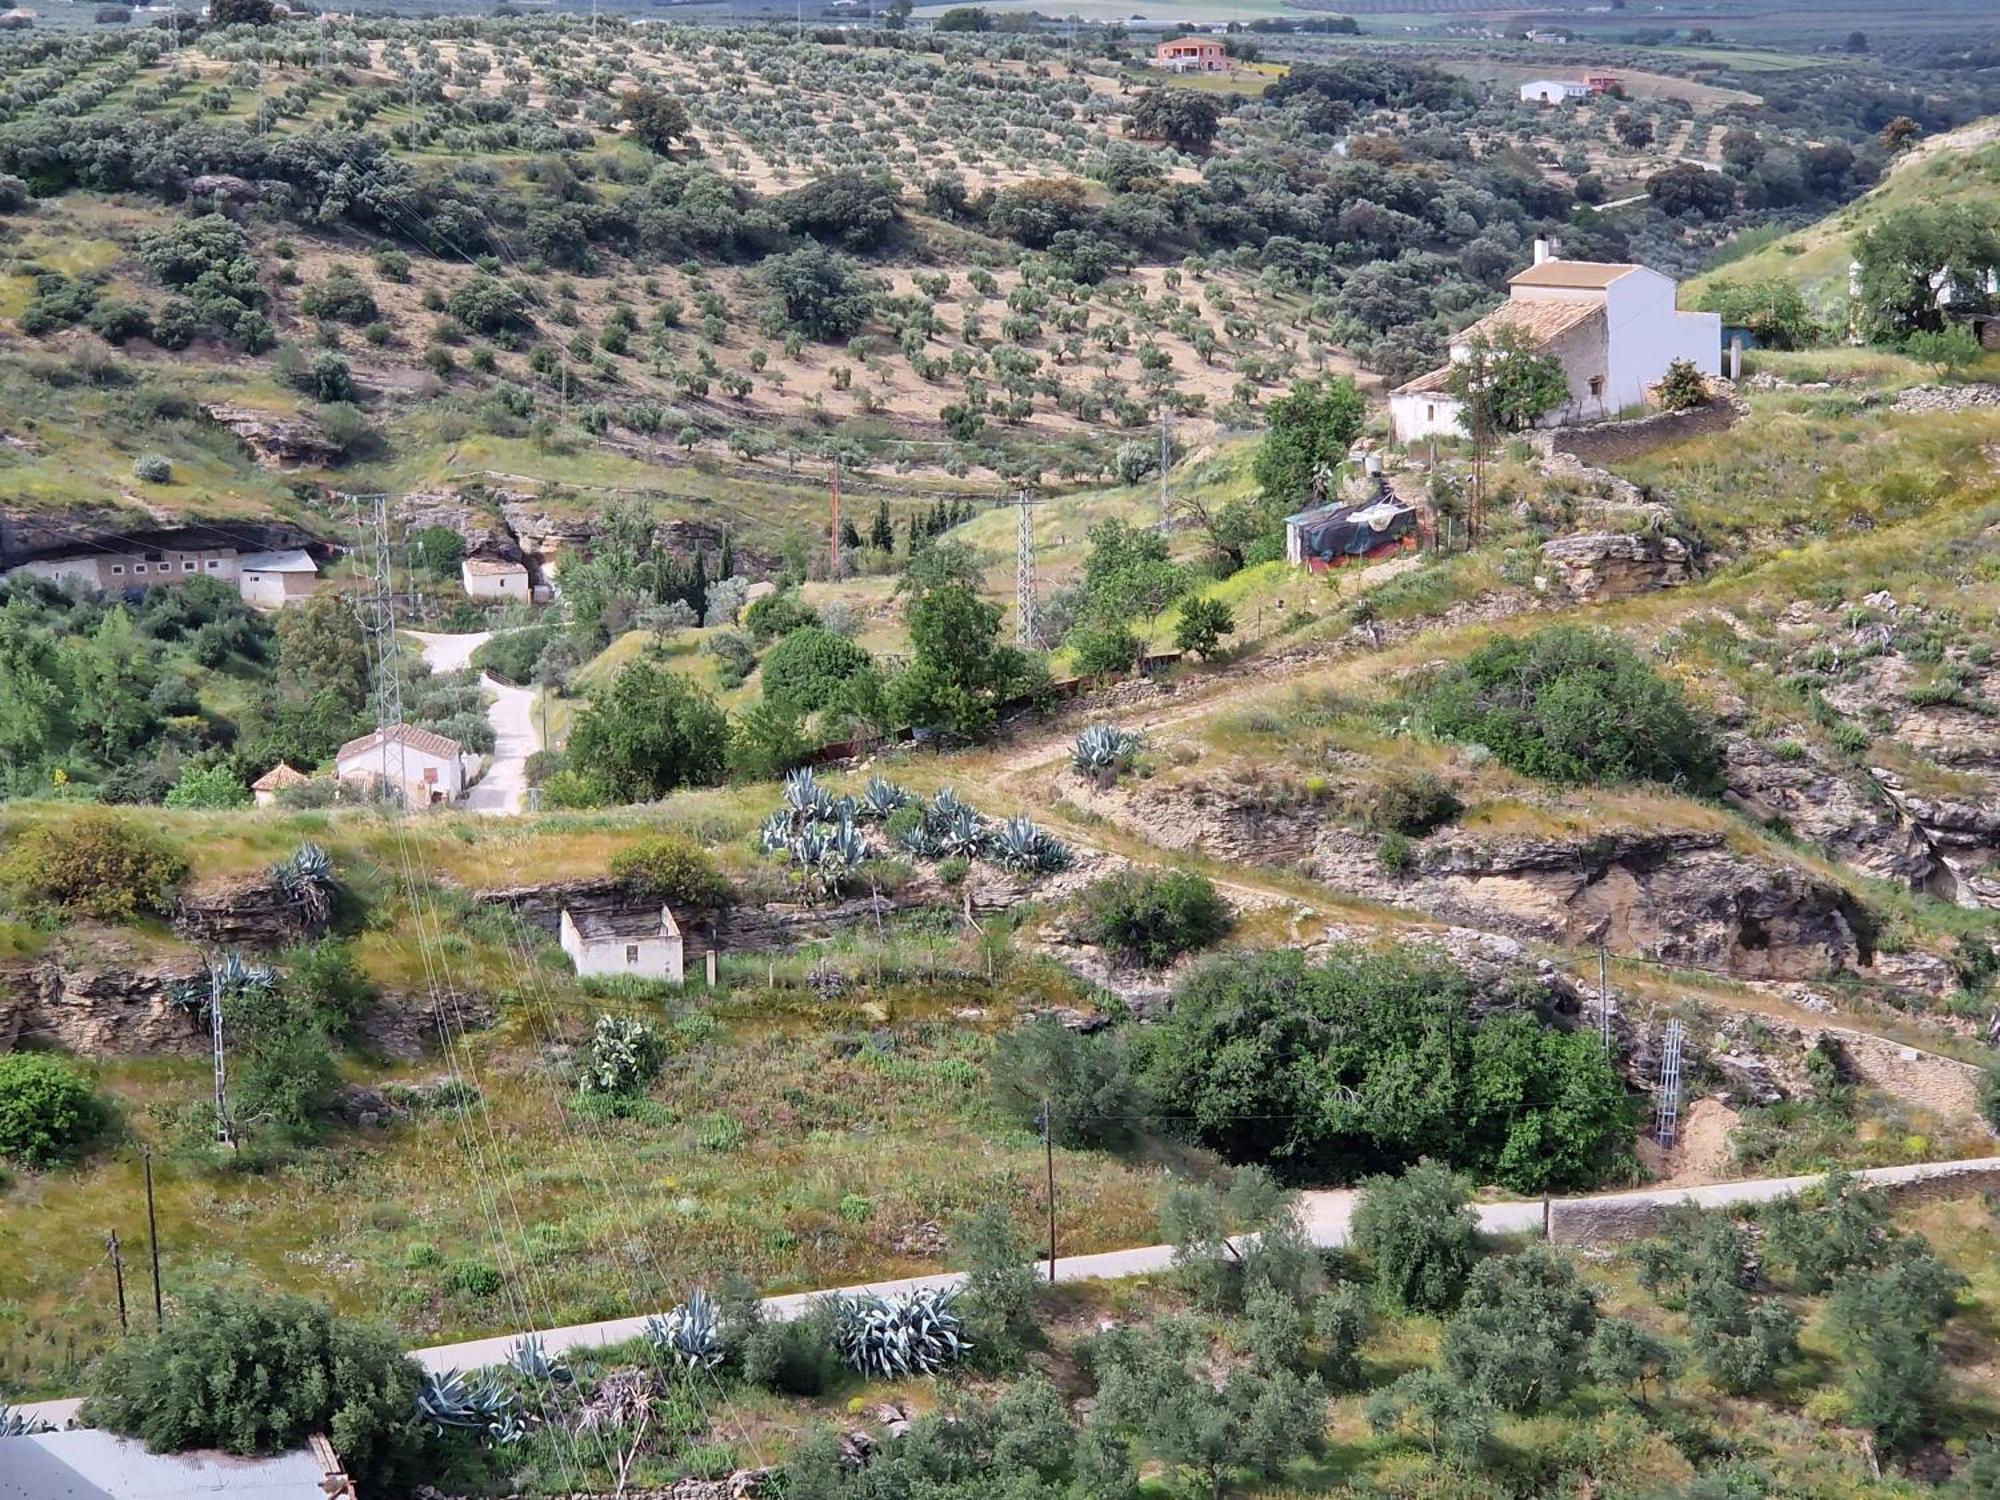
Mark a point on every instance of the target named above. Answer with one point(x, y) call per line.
point(271, 580)
point(494, 578)
point(1615, 328)
point(1553, 91)
point(644, 944)
point(265, 789)
point(427, 767)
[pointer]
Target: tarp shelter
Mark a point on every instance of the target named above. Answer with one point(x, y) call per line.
point(1332, 535)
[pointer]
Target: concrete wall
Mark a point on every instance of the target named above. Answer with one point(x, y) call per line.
point(1424, 414)
point(448, 778)
point(273, 590)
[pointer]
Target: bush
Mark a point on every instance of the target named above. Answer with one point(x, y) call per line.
point(1418, 1237)
point(1087, 1081)
point(1520, 1335)
point(777, 615)
point(1152, 919)
point(254, 1373)
point(808, 668)
point(1412, 805)
point(794, 1357)
point(1682, 387)
point(1572, 705)
point(212, 787)
point(92, 865)
point(674, 869)
point(152, 468)
point(47, 1110)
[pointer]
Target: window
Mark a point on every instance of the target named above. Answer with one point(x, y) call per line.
point(1430, 411)
point(138, 567)
point(214, 563)
point(116, 569)
point(631, 953)
point(188, 566)
point(1597, 387)
point(430, 775)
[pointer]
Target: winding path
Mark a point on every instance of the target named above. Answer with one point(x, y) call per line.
point(502, 791)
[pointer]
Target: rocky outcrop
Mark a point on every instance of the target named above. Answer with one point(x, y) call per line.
point(247, 911)
point(1677, 897)
point(1594, 567)
point(1930, 398)
point(277, 440)
point(1782, 782)
point(113, 999)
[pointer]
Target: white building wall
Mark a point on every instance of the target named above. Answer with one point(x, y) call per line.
point(1424, 414)
point(642, 957)
point(272, 590)
point(509, 585)
point(1648, 334)
point(447, 772)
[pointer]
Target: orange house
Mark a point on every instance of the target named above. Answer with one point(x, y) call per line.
point(1191, 54)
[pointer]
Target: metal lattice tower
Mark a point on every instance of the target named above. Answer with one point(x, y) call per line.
point(1670, 1083)
point(377, 609)
point(225, 1132)
point(1027, 629)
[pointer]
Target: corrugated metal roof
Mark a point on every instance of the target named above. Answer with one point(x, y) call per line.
point(92, 1465)
point(294, 561)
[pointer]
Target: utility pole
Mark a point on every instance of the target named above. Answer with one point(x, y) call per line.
point(1026, 628)
point(833, 526)
point(1049, 1156)
point(153, 1241)
point(118, 1275)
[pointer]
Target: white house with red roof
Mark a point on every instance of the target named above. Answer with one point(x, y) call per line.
point(1614, 327)
point(426, 765)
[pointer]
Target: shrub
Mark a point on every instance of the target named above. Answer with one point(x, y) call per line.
point(1418, 1236)
point(1682, 388)
point(794, 1357)
point(809, 667)
point(472, 1278)
point(47, 1110)
point(1572, 705)
point(152, 468)
point(777, 615)
point(624, 1056)
point(671, 868)
point(1152, 919)
point(254, 1373)
point(1087, 1082)
point(1521, 1331)
point(211, 787)
point(92, 865)
point(1409, 804)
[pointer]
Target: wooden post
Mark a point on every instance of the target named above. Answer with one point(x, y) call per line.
point(711, 968)
point(1049, 1156)
point(153, 1242)
point(118, 1275)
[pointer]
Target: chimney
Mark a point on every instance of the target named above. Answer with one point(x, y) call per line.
point(1541, 251)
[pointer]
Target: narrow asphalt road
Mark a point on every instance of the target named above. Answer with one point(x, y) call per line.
point(503, 790)
point(1328, 1216)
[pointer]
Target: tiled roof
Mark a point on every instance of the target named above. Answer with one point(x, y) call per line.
point(411, 738)
point(1581, 274)
point(1542, 322)
point(280, 775)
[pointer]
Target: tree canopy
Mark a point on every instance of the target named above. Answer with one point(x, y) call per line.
point(649, 733)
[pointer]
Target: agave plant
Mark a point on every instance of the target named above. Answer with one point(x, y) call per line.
point(306, 878)
point(964, 836)
point(1103, 747)
point(1019, 845)
point(880, 799)
point(453, 1403)
point(920, 840)
point(911, 1333)
point(805, 798)
point(776, 832)
point(17, 1423)
point(691, 1335)
point(945, 809)
point(531, 1360)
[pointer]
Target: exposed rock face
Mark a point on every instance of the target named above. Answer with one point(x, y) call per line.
point(116, 1002)
point(276, 440)
point(1840, 812)
point(243, 912)
point(1597, 566)
point(1677, 897)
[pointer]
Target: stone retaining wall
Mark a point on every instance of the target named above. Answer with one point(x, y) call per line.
point(1612, 442)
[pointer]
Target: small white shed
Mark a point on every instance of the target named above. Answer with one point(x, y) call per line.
point(644, 943)
point(494, 578)
point(271, 580)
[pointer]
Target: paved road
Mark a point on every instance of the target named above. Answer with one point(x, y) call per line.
point(503, 790)
point(1327, 1220)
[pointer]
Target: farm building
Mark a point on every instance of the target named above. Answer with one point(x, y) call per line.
point(271, 580)
point(1614, 327)
point(428, 767)
point(125, 565)
point(1191, 54)
point(265, 788)
point(1554, 91)
point(645, 944)
point(494, 578)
